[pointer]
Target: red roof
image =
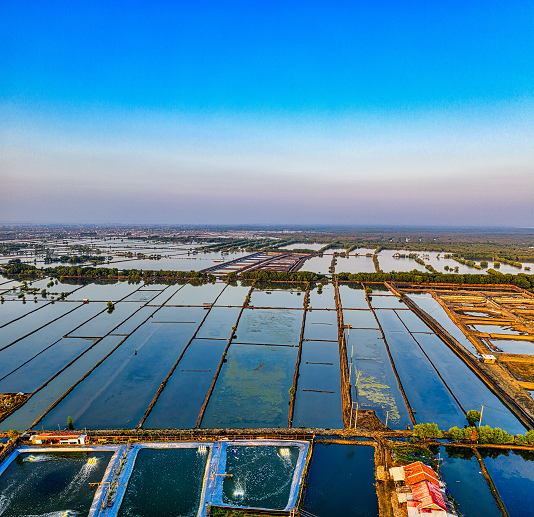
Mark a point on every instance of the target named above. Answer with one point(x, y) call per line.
point(428, 496)
point(62, 436)
point(416, 472)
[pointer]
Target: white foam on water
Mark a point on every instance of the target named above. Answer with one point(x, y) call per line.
point(40, 457)
point(59, 513)
point(80, 479)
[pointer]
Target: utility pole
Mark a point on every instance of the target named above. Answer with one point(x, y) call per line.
point(480, 421)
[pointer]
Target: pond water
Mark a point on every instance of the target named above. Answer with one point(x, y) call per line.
point(270, 326)
point(51, 484)
point(318, 401)
point(164, 482)
point(355, 264)
point(261, 476)
point(325, 300)
point(425, 391)
point(253, 388)
point(135, 320)
point(341, 481)
point(377, 387)
point(353, 297)
point(387, 263)
point(316, 246)
point(118, 392)
point(180, 402)
point(359, 318)
point(413, 322)
point(29, 376)
point(498, 329)
point(513, 475)
point(436, 311)
point(511, 346)
point(318, 265)
point(12, 309)
point(386, 302)
point(233, 295)
point(47, 343)
point(36, 405)
point(178, 262)
point(321, 325)
point(37, 319)
point(461, 472)
point(218, 323)
point(277, 298)
point(105, 322)
point(165, 294)
point(105, 292)
point(470, 391)
point(196, 294)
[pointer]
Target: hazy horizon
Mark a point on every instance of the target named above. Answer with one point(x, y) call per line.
point(281, 114)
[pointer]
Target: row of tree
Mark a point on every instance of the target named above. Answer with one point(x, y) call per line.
point(522, 280)
point(481, 435)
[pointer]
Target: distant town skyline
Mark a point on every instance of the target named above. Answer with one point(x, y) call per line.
point(275, 113)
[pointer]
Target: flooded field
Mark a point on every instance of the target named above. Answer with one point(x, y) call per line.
point(163, 357)
point(51, 483)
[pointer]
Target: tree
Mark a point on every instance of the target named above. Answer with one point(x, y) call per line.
point(69, 423)
point(426, 431)
point(473, 417)
point(12, 433)
point(456, 434)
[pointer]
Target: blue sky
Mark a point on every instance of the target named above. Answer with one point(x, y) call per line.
point(273, 112)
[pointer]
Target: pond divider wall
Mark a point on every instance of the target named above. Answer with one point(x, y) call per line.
point(297, 364)
point(164, 383)
point(491, 484)
point(216, 376)
point(346, 397)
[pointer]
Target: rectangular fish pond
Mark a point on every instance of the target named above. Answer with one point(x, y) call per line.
point(55, 484)
point(262, 475)
point(165, 482)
